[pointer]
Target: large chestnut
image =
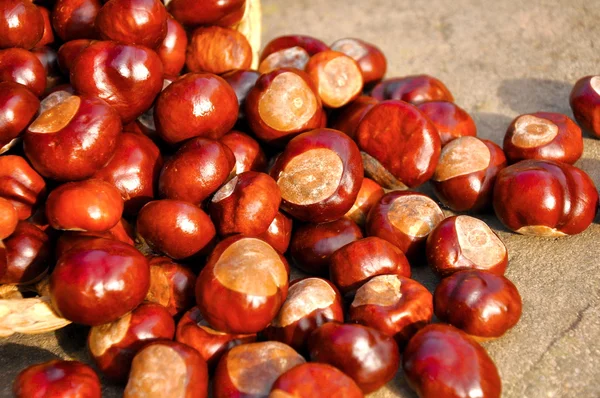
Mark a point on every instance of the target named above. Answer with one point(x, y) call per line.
point(483, 304)
point(450, 120)
point(413, 89)
point(368, 356)
point(462, 243)
point(21, 66)
point(585, 103)
point(172, 285)
point(308, 43)
point(440, 360)
point(370, 59)
point(173, 47)
point(60, 379)
point(249, 370)
point(122, 232)
point(279, 233)
point(465, 175)
point(347, 118)
point(249, 156)
point(315, 380)
point(242, 286)
point(545, 198)
point(370, 192)
point(319, 175)
point(217, 50)
point(98, 281)
point(74, 19)
point(18, 106)
point(21, 185)
point(399, 145)
point(207, 12)
point(25, 255)
point(21, 24)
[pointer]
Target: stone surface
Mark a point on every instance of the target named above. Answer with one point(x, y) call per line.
point(499, 59)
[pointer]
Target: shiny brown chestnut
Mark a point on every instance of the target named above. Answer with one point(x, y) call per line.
point(167, 369)
point(440, 360)
point(68, 53)
point(316, 380)
point(211, 344)
point(282, 104)
point(463, 243)
point(21, 24)
point(171, 285)
point(21, 185)
point(242, 286)
point(207, 12)
point(465, 174)
point(399, 145)
point(246, 205)
point(312, 245)
point(545, 198)
point(279, 233)
point(18, 105)
point(75, 19)
point(9, 218)
point(195, 105)
point(217, 50)
point(354, 264)
point(413, 89)
point(25, 255)
point(543, 136)
point(482, 304)
point(394, 305)
point(122, 231)
point(171, 50)
point(127, 77)
point(450, 120)
point(370, 59)
point(174, 227)
point(48, 36)
point(196, 171)
point(368, 356)
point(99, 281)
point(249, 370)
point(21, 66)
point(60, 379)
point(369, 194)
point(585, 103)
point(293, 57)
point(113, 345)
point(319, 174)
point(52, 142)
point(249, 156)
point(404, 219)
point(311, 302)
point(347, 118)
point(308, 43)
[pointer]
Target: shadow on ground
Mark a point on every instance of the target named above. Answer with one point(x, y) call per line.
point(529, 95)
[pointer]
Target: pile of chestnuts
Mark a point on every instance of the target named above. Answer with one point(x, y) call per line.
point(212, 222)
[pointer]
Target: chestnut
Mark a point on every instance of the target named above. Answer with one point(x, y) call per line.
point(171, 285)
point(171, 50)
point(404, 219)
point(347, 118)
point(292, 57)
point(312, 245)
point(48, 36)
point(482, 304)
point(316, 380)
point(167, 369)
point(279, 233)
point(98, 281)
point(242, 81)
point(249, 156)
point(249, 370)
point(195, 105)
point(246, 205)
point(413, 89)
point(113, 345)
point(196, 171)
point(75, 19)
point(370, 59)
point(311, 302)
point(394, 305)
point(58, 379)
point(141, 22)
point(319, 175)
point(21, 24)
point(282, 104)
point(399, 145)
point(463, 243)
point(21, 185)
point(545, 198)
point(18, 105)
point(354, 264)
point(368, 356)
point(308, 43)
point(450, 120)
point(370, 192)
point(242, 286)
point(211, 12)
point(90, 205)
point(52, 142)
point(440, 360)
point(9, 218)
point(174, 227)
point(217, 50)
point(25, 255)
point(543, 136)
point(68, 53)
point(211, 344)
point(585, 103)
point(127, 77)
point(465, 174)
point(23, 67)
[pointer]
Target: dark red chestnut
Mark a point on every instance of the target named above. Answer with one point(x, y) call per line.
point(308, 43)
point(25, 255)
point(9, 218)
point(399, 145)
point(369, 194)
point(74, 19)
point(347, 118)
point(368, 356)
point(249, 156)
point(450, 120)
point(60, 379)
point(465, 175)
point(171, 285)
point(462, 243)
point(211, 12)
point(99, 281)
point(316, 380)
point(23, 67)
point(18, 105)
point(21, 24)
point(370, 59)
point(440, 360)
point(585, 103)
point(48, 36)
point(543, 136)
point(68, 53)
point(242, 286)
point(545, 198)
point(249, 370)
point(21, 185)
point(480, 303)
point(167, 369)
point(279, 233)
point(319, 175)
point(292, 57)
point(217, 50)
point(412, 89)
point(171, 50)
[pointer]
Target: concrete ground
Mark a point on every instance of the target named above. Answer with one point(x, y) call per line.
point(500, 59)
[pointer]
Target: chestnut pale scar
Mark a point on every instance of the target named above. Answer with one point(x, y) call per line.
point(415, 215)
point(351, 48)
point(462, 156)
point(303, 298)
point(477, 242)
point(104, 336)
point(57, 117)
point(383, 290)
point(340, 79)
point(225, 191)
point(539, 230)
point(531, 131)
point(595, 83)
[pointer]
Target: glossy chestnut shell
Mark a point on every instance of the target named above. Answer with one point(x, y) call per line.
point(316, 380)
point(18, 105)
point(25, 255)
point(21, 66)
point(21, 185)
point(21, 24)
point(450, 120)
point(585, 103)
point(413, 89)
point(172, 285)
point(217, 50)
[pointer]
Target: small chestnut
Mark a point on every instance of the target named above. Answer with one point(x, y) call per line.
point(21, 24)
point(25, 255)
point(450, 120)
point(217, 50)
point(315, 380)
point(18, 106)
point(207, 12)
point(171, 50)
point(370, 59)
point(369, 194)
point(308, 43)
point(75, 19)
point(21, 66)
point(413, 89)
point(347, 118)
point(292, 57)
point(249, 156)
point(585, 103)
point(171, 285)
point(279, 233)
point(21, 185)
